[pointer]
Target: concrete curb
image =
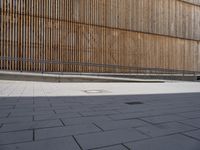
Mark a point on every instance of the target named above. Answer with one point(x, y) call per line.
point(22, 76)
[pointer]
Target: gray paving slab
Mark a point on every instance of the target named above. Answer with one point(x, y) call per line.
point(3, 115)
point(173, 142)
point(135, 115)
point(165, 129)
point(127, 116)
point(16, 120)
point(27, 113)
point(103, 122)
point(71, 110)
point(21, 110)
point(24, 106)
point(30, 125)
point(16, 137)
point(117, 147)
point(43, 109)
point(163, 118)
point(56, 116)
point(109, 138)
point(65, 131)
point(67, 143)
point(191, 115)
point(5, 111)
point(192, 122)
point(98, 113)
point(113, 125)
point(195, 134)
point(85, 120)
point(6, 107)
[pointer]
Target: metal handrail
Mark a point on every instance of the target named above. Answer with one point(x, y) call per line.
point(114, 66)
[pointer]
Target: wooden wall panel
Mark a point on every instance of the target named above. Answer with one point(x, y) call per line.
point(198, 57)
point(99, 35)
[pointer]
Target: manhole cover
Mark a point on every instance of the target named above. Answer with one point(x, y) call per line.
point(96, 91)
point(134, 103)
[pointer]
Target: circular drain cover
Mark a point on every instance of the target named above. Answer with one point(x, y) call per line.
point(95, 91)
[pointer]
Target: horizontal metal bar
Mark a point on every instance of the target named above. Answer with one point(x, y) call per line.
point(97, 65)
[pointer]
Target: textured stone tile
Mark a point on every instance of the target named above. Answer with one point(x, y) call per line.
point(163, 118)
point(70, 110)
point(192, 122)
point(3, 115)
point(136, 115)
point(85, 120)
point(56, 116)
point(164, 129)
point(30, 125)
point(194, 134)
point(117, 147)
point(24, 113)
point(5, 111)
point(16, 120)
point(126, 116)
point(15, 137)
point(173, 142)
point(99, 110)
point(191, 115)
point(43, 109)
point(23, 109)
point(111, 125)
point(6, 108)
point(102, 139)
point(65, 131)
point(53, 144)
point(98, 113)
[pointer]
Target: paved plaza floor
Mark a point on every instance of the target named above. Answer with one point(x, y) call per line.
point(99, 116)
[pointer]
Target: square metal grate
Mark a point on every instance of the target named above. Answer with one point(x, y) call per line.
point(134, 103)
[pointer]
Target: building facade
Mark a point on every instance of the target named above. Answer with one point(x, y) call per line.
point(99, 35)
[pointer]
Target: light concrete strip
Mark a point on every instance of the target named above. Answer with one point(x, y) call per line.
point(20, 88)
point(47, 77)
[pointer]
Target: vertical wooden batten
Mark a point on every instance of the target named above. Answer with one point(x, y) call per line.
point(99, 35)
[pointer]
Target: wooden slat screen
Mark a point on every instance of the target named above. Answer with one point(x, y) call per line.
point(63, 35)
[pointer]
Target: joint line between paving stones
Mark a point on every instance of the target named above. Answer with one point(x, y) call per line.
point(33, 135)
point(54, 111)
point(142, 133)
point(33, 118)
point(146, 121)
point(77, 142)
point(189, 125)
point(98, 127)
point(14, 143)
point(125, 146)
point(102, 147)
point(166, 135)
point(62, 122)
point(29, 129)
point(8, 115)
point(81, 114)
point(190, 136)
point(112, 118)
